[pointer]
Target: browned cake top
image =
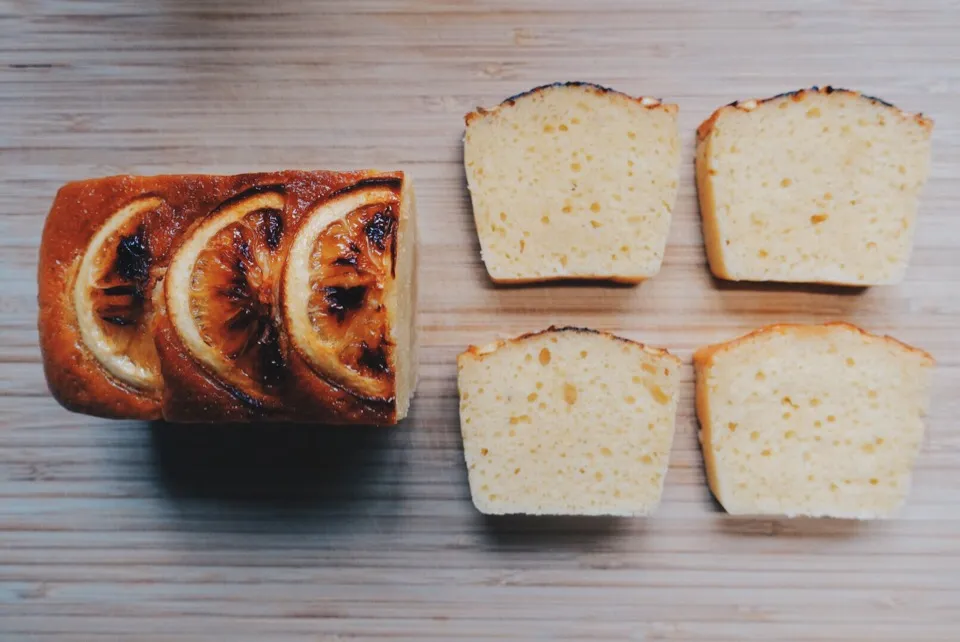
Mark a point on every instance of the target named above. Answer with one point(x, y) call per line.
point(147, 279)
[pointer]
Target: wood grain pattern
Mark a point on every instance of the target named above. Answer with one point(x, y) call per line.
point(114, 530)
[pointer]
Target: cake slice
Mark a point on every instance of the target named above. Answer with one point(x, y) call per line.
point(567, 421)
point(817, 185)
point(821, 420)
point(573, 181)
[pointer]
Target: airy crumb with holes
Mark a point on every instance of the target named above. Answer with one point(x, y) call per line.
point(567, 421)
point(818, 420)
point(817, 186)
point(573, 181)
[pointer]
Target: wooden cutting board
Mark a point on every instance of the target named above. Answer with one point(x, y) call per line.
point(130, 531)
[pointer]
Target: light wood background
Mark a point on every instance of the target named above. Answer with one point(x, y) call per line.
point(128, 531)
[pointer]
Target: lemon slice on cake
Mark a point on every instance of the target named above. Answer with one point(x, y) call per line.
point(338, 290)
point(221, 292)
point(111, 295)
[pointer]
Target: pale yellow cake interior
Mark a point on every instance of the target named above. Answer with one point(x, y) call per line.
point(813, 187)
point(573, 182)
point(567, 422)
point(812, 420)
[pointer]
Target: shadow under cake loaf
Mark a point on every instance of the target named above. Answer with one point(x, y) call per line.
point(281, 296)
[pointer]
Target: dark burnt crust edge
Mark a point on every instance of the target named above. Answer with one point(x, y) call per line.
point(827, 90)
point(578, 84)
point(582, 84)
point(244, 194)
point(389, 180)
point(797, 94)
point(481, 351)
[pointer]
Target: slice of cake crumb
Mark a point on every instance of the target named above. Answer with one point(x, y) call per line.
point(817, 186)
point(815, 420)
point(567, 421)
point(573, 181)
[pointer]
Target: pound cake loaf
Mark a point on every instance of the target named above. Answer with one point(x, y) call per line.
point(285, 296)
point(817, 185)
point(820, 420)
point(567, 421)
point(573, 181)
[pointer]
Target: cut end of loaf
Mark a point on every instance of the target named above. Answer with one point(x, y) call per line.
point(819, 185)
point(821, 421)
point(572, 181)
point(568, 421)
point(404, 320)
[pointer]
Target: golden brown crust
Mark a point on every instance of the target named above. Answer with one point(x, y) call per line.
point(190, 393)
point(702, 408)
point(703, 357)
point(478, 352)
point(707, 201)
point(644, 101)
point(75, 379)
point(706, 127)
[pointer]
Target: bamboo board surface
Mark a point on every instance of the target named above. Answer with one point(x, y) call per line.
point(130, 531)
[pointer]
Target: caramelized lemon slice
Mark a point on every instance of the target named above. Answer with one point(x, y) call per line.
point(221, 295)
point(336, 290)
point(111, 296)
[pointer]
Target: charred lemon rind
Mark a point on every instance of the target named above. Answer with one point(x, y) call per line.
point(320, 294)
point(181, 285)
point(122, 305)
point(130, 284)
